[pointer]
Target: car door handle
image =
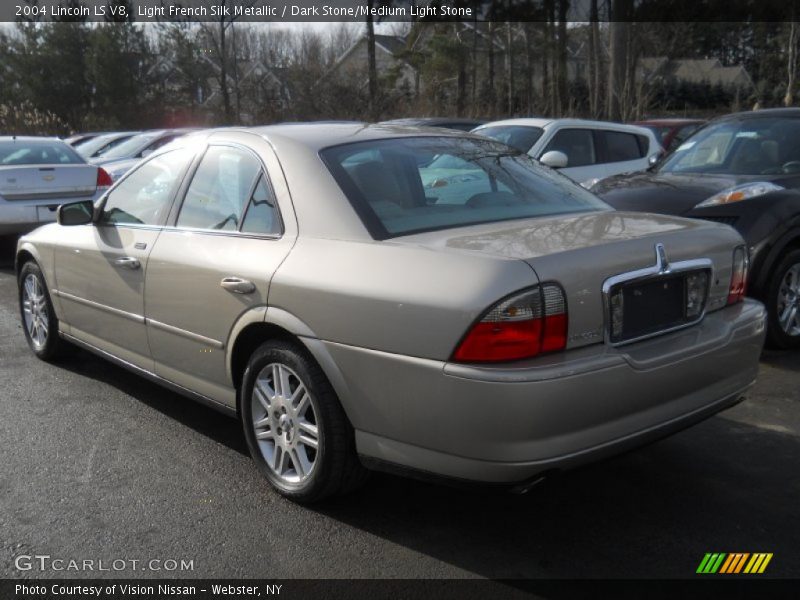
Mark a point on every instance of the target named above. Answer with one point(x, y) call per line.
point(238, 285)
point(128, 262)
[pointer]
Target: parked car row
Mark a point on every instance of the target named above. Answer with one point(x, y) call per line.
point(422, 300)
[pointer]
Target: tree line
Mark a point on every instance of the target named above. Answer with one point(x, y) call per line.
point(64, 76)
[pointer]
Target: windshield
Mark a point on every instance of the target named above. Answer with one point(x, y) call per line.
point(132, 146)
point(22, 152)
point(398, 188)
point(521, 137)
point(760, 146)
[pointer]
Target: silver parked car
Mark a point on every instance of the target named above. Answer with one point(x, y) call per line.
point(488, 324)
point(584, 151)
point(37, 175)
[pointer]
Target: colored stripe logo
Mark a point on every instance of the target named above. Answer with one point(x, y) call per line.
point(734, 562)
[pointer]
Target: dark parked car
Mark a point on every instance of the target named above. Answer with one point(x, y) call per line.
point(744, 170)
point(671, 132)
point(446, 123)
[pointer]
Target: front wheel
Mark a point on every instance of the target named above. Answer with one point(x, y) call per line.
point(295, 428)
point(783, 303)
point(38, 317)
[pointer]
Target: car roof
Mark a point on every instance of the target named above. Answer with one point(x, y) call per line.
point(763, 114)
point(542, 123)
point(317, 136)
point(430, 120)
point(668, 121)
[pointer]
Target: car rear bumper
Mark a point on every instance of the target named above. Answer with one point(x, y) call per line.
point(22, 216)
point(506, 424)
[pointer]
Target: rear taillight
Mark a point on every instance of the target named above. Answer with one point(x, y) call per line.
point(521, 326)
point(738, 286)
point(103, 178)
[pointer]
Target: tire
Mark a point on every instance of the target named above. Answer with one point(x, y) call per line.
point(783, 303)
point(39, 321)
point(301, 441)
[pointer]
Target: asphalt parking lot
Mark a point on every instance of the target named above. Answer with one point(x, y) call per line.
point(100, 464)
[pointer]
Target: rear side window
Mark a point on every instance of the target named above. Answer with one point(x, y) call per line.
point(621, 146)
point(220, 189)
point(262, 215)
point(577, 144)
point(20, 152)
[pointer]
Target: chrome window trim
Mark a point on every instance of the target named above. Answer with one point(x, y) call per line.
point(662, 268)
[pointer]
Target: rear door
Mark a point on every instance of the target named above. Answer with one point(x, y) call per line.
point(100, 273)
point(212, 266)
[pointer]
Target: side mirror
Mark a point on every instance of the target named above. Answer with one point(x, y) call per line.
point(655, 158)
point(554, 159)
point(146, 152)
point(75, 213)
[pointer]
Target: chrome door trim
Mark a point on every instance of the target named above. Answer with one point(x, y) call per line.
point(195, 337)
point(662, 268)
point(109, 309)
point(170, 385)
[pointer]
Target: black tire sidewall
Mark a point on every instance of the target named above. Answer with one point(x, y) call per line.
point(308, 372)
point(50, 347)
point(778, 338)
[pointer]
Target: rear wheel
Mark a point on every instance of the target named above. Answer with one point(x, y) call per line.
point(783, 302)
point(38, 317)
point(295, 427)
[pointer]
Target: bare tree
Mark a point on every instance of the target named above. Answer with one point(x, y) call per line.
point(791, 62)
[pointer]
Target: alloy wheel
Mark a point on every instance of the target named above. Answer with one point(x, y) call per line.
point(34, 308)
point(285, 423)
point(789, 301)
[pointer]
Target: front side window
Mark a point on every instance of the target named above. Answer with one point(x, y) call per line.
point(407, 185)
point(220, 189)
point(143, 197)
point(577, 144)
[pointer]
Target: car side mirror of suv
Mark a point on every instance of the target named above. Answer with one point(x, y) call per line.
point(76, 213)
point(554, 159)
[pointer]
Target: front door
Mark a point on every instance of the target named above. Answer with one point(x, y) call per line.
point(100, 275)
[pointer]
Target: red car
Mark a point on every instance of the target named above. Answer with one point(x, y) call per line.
point(671, 132)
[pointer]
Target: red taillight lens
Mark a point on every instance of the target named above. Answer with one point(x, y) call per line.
point(103, 178)
point(738, 276)
point(521, 326)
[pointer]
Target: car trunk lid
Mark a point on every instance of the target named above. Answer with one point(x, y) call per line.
point(581, 252)
point(48, 182)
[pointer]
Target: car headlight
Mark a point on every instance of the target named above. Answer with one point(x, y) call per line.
point(740, 192)
point(590, 183)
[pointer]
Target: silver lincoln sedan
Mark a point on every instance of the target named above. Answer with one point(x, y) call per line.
point(379, 297)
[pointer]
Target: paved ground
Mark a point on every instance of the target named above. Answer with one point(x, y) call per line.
point(99, 464)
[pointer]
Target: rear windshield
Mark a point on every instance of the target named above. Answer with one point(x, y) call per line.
point(521, 137)
point(408, 185)
point(44, 152)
